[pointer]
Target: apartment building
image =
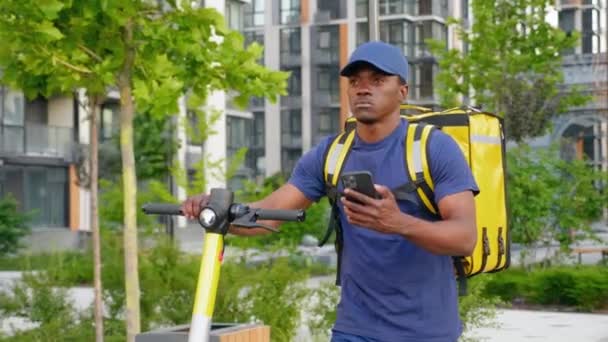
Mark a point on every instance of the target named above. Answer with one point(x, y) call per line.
point(586, 66)
point(312, 40)
point(41, 158)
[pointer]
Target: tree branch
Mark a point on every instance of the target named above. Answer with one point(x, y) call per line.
point(90, 53)
point(67, 64)
point(71, 66)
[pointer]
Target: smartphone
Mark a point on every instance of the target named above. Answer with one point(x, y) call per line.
point(360, 181)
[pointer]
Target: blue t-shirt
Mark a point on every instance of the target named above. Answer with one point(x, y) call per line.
point(393, 290)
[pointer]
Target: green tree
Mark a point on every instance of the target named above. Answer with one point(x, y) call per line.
point(154, 148)
point(552, 199)
point(512, 65)
point(152, 52)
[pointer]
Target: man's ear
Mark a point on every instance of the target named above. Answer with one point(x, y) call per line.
point(404, 91)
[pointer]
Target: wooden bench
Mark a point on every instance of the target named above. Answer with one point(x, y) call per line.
point(586, 250)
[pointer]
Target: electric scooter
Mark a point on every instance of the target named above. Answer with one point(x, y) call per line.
point(216, 218)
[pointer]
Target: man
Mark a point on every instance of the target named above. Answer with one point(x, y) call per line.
point(397, 273)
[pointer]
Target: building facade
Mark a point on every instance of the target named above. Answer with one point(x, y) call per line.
point(584, 129)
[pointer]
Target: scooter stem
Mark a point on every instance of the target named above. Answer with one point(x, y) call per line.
point(206, 288)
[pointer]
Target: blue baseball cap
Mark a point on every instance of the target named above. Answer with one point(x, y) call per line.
point(386, 57)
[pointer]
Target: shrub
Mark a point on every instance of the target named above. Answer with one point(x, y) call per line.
point(54, 317)
point(507, 287)
point(273, 293)
point(13, 226)
point(322, 308)
point(582, 287)
point(477, 309)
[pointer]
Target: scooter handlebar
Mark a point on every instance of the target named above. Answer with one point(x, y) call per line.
point(280, 215)
point(162, 209)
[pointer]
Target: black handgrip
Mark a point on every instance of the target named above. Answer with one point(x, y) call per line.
point(162, 209)
point(280, 215)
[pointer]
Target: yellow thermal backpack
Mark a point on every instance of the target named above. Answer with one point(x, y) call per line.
point(480, 135)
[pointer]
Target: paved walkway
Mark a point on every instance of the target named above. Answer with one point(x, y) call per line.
point(521, 325)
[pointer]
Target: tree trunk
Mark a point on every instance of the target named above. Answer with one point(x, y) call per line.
point(94, 102)
point(129, 186)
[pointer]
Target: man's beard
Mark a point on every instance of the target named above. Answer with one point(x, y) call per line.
point(367, 121)
point(367, 118)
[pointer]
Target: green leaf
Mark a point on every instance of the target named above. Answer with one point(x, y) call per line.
point(47, 28)
point(50, 8)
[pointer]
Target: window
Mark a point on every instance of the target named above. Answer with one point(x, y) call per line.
point(234, 16)
point(290, 11)
point(238, 134)
point(40, 190)
point(109, 123)
point(326, 91)
point(465, 9)
point(388, 7)
point(590, 34)
point(433, 7)
point(329, 120)
point(429, 29)
point(363, 33)
point(335, 8)
point(328, 84)
point(327, 45)
point(254, 13)
point(566, 20)
point(291, 139)
point(566, 23)
point(398, 33)
point(294, 83)
point(12, 121)
point(255, 37)
point(425, 73)
point(362, 8)
point(583, 140)
point(291, 46)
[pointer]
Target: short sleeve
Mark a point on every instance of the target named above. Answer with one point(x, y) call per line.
point(307, 175)
point(449, 169)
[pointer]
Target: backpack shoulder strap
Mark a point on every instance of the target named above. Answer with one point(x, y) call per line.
point(336, 155)
point(417, 163)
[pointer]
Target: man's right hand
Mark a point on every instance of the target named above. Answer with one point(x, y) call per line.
point(192, 206)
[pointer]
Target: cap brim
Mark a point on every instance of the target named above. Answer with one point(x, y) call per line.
point(353, 66)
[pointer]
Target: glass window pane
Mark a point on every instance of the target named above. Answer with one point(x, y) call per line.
point(362, 8)
point(12, 139)
point(290, 11)
point(363, 32)
point(566, 20)
point(13, 107)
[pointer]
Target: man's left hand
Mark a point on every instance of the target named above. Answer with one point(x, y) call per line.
point(382, 215)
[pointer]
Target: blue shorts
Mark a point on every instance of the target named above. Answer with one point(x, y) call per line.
point(338, 336)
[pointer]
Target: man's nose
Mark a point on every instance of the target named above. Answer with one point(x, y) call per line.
point(363, 88)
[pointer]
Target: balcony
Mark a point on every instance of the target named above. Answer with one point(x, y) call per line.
point(290, 59)
point(326, 57)
point(433, 7)
point(579, 3)
point(291, 101)
point(36, 140)
point(325, 98)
